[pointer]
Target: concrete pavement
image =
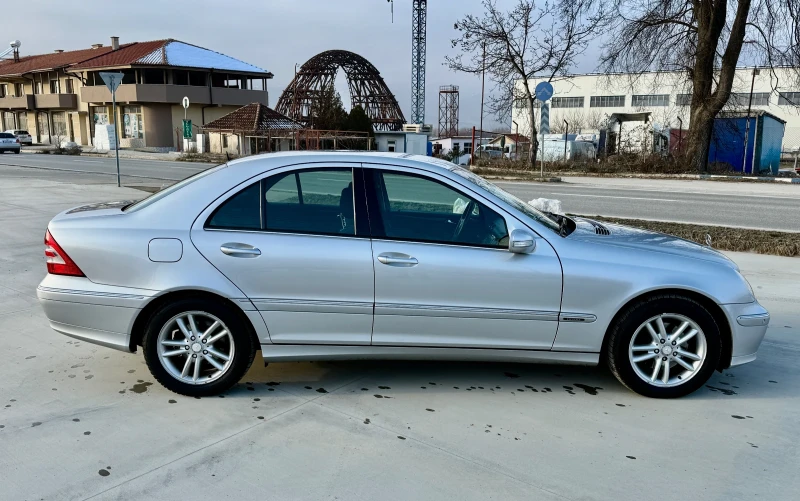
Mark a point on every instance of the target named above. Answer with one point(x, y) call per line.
point(772, 206)
point(78, 421)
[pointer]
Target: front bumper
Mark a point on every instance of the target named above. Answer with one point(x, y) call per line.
point(95, 313)
point(749, 323)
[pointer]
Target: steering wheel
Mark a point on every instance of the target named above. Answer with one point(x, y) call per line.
point(463, 219)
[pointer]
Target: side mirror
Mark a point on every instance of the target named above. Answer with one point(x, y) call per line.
point(521, 242)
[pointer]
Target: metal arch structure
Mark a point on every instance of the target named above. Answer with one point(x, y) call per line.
point(367, 89)
point(419, 20)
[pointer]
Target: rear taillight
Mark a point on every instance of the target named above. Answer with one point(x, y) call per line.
point(17, 140)
point(58, 262)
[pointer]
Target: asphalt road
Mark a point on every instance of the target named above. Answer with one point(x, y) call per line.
point(79, 421)
point(752, 205)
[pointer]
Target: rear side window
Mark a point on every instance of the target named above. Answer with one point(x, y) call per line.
point(22, 132)
point(241, 212)
point(6, 135)
point(316, 201)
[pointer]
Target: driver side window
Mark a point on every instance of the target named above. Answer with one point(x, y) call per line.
point(415, 208)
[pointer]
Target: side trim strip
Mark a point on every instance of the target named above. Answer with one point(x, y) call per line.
point(312, 305)
point(463, 311)
point(89, 293)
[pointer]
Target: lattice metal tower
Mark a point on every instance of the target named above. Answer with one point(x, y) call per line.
point(448, 110)
point(419, 18)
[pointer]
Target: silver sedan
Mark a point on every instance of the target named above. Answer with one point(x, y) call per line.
point(336, 256)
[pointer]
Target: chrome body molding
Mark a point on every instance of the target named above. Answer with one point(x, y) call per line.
point(312, 306)
point(462, 312)
point(89, 293)
point(300, 352)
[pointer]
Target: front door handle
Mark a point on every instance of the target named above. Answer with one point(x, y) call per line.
point(235, 249)
point(397, 259)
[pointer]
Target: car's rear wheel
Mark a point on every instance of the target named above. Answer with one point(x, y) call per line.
point(197, 347)
point(664, 347)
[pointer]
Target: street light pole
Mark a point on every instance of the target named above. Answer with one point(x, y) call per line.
point(116, 134)
point(747, 124)
point(516, 140)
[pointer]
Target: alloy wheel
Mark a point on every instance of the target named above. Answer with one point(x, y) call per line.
point(195, 347)
point(667, 350)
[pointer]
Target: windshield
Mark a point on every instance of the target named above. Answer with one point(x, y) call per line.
point(508, 198)
point(155, 197)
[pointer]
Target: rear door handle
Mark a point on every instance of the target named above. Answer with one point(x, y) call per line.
point(397, 259)
point(235, 249)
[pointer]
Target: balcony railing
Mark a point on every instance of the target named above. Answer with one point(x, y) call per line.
point(173, 94)
point(16, 103)
point(45, 101)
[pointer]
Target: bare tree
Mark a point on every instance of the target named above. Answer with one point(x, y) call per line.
point(575, 117)
point(535, 39)
point(706, 39)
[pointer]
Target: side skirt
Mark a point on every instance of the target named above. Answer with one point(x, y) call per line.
point(307, 352)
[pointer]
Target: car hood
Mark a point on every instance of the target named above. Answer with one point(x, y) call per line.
point(635, 238)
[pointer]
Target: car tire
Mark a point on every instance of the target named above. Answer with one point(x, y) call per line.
point(16, 152)
point(237, 342)
point(631, 335)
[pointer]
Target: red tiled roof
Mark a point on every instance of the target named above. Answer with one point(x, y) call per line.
point(125, 56)
point(55, 60)
point(254, 118)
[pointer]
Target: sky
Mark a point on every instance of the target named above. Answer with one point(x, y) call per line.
point(274, 35)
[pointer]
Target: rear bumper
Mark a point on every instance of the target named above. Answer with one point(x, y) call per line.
point(94, 313)
point(749, 323)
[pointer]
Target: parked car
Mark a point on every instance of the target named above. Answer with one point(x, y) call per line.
point(331, 256)
point(8, 143)
point(23, 136)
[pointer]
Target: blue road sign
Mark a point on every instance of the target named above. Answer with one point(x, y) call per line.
point(544, 91)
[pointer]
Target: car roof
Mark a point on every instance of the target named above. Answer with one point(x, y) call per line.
point(283, 158)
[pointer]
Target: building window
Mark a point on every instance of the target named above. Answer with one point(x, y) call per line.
point(133, 126)
point(683, 100)
point(68, 86)
point(742, 99)
point(198, 79)
point(22, 120)
point(606, 101)
point(60, 124)
point(99, 115)
point(55, 87)
point(392, 145)
point(789, 98)
point(3, 90)
point(224, 140)
point(19, 89)
point(467, 148)
point(37, 88)
point(153, 76)
point(650, 100)
point(179, 77)
point(567, 102)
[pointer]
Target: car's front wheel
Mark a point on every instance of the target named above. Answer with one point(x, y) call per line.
point(666, 346)
point(197, 347)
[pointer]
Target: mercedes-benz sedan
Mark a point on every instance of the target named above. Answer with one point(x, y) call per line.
point(332, 256)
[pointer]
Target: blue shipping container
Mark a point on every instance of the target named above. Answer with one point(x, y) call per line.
point(764, 141)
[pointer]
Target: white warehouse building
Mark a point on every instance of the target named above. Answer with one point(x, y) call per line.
point(586, 101)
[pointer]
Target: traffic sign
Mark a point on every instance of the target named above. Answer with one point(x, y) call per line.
point(185, 103)
point(545, 125)
point(112, 80)
point(544, 91)
point(187, 129)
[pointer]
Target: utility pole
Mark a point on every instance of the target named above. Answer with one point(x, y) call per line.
point(747, 125)
point(483, 89)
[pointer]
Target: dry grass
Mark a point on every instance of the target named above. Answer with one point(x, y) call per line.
point(778, 243)
point(210, 158)
point(616, 165)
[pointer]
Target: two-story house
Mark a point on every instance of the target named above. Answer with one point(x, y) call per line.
point(61, 96)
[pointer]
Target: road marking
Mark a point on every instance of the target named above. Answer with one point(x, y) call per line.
point(609, 196)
